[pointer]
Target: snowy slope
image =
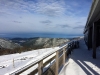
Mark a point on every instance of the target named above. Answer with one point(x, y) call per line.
point(4, 43)
point(11, 62)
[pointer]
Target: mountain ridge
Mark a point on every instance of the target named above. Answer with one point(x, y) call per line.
point(18, 45)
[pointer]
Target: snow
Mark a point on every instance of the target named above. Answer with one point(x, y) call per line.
point(81, 62)
point(11, 62)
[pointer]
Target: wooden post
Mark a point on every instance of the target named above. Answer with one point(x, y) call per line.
point(66, 48)
point(94, 40)
point(13, 63)
point(63, 56)
point(57, 62)
point(72, 45)
point(40, 68)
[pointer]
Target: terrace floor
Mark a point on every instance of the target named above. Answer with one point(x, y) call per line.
point(81, 62)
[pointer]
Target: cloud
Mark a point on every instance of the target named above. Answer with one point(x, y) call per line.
point(4, 14)
point(50, 8)
point(79, 22)
point(17, 21)
point(63, 26)
point(43, 15)
point(53, 9)
point(78, 27)
point(46, 22)
point(45, 7)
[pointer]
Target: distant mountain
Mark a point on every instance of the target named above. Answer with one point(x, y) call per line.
point(18, 45)
point(37, 43)
point(33, 43)
point(8, 44)
point(21, 40)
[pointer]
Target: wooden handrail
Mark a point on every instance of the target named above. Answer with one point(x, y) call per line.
point(65, 48)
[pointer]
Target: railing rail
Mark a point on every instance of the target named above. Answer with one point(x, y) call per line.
point(58, 56)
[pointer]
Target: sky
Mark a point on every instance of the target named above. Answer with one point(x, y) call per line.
point(50, 17)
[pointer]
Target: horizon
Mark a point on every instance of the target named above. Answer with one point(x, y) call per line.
point(42, 35)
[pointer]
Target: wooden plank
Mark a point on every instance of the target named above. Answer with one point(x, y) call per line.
point(63, 56)
point(60, 61)
point(40, 68)
point(48, 61)
point(34, 72)
point(57, 60)
point(50, 70)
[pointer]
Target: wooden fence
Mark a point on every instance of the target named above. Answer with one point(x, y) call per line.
point(56, 59)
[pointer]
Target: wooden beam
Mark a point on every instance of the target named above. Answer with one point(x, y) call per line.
point(57, 60)
point(40, 67)
point(94, 40)
point(63, 56)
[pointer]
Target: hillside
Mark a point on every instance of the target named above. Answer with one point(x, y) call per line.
point(18, 45)
point(8, 44)
point(38, 43)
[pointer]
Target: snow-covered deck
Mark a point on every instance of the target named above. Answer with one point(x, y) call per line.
point(81, 62)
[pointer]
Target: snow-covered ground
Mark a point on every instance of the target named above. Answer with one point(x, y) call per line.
point(81, 62)
point(11, 62)
point(15, 62)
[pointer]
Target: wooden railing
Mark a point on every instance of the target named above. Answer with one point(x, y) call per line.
point(56, 58)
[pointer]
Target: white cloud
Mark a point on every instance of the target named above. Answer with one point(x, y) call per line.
point(51, 8)
point(30, 16)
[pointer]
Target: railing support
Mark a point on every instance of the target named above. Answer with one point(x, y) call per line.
point(57, 62)
point(40, 68)
point(40, 63)
point(63, 56)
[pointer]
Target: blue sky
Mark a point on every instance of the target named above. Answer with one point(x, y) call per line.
point(66, 17)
